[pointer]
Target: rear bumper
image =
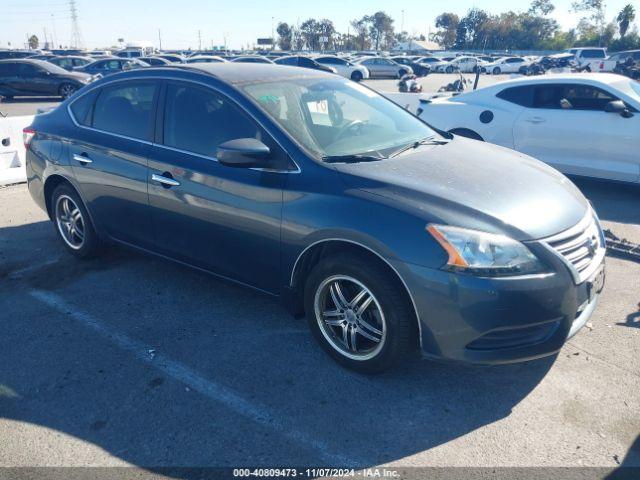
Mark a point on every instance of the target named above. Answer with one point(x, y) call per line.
point(500, 320)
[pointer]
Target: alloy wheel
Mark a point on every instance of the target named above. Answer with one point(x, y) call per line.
point(350, 317)
point(67, 90)
point(70, 222)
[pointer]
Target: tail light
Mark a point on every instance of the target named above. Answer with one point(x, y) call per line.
point(27, 135)
point(602, 66)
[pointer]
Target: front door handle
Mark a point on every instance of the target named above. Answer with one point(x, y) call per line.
point(83, 158)
point(165, 180)
point(536, 120)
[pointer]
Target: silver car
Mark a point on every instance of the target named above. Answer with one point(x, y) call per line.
point(384, 68)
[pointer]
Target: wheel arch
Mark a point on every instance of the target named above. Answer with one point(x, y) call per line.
point(51, 183)
point(313, 253)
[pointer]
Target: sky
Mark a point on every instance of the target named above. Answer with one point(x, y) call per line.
point(189, 23)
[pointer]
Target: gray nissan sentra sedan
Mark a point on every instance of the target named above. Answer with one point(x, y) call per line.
point(389, 236)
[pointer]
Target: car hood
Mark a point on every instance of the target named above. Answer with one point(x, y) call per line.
point(475, 185)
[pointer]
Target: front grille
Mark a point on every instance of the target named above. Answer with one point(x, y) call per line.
point(582, 246)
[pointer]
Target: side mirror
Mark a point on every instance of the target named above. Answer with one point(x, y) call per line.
point(243, 153)
point(618, 106)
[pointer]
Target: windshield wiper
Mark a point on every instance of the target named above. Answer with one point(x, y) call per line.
point(424, 141)
point(354, 158)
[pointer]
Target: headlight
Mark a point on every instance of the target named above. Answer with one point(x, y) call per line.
point(484, 253)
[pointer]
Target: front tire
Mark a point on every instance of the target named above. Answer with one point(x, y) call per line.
point(497, 71)
point(360, 316)
point(66, 90)
point(449, 69)
point(72, 223)
point(356, 76)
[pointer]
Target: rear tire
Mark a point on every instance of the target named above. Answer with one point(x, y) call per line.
point(72, 223)
point(401, 73)
point(356, 76)
point(387, 316)
point(449, 69)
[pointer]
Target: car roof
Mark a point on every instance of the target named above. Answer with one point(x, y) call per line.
point(607, 78)
point(237, 73)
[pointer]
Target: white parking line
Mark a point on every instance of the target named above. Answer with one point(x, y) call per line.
point(258, 413)
point(32, 268)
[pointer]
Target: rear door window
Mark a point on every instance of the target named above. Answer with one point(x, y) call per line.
point(518, 95)
point(126, 109)
point(28, 70)
point(8, 69)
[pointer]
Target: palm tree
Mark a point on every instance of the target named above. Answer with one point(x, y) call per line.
point(626, 16)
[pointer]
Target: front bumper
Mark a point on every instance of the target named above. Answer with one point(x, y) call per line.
point(497, 320)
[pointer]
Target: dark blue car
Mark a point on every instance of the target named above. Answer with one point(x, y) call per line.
point(391, 237)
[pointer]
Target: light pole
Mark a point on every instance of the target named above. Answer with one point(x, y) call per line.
point(273, 43)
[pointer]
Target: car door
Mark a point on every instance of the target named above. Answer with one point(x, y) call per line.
point(108, 157)
point(567, 127)
point(389, 68)
point(33, 80)
point(223, 219)
point(9, 78)
point(373, 67)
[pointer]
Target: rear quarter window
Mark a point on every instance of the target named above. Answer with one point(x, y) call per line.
point(517, 95)
point(125, 109)
point(82, 108)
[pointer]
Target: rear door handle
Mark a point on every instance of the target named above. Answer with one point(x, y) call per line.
point(83, 158)
point(164, 180)
point(536, 120)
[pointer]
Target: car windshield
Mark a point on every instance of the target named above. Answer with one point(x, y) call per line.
point(336, 117)
point(52, 68)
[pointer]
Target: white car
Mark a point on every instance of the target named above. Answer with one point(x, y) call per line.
point(582, 124)
point(433, 62)
point(507, 65)
point(344, 67)
point(593, 59)
point(461, 64)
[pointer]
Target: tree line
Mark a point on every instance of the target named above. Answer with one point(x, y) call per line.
point(536, 29)
point(533, 29)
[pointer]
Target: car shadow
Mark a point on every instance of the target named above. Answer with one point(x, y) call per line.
point(629, 468)
point(59, 374)
point(633, 319)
